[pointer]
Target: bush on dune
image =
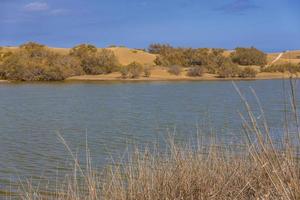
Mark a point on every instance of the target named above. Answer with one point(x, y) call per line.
point(35, 62)
point(228, 69)
point(4, 54)
point(147, 71)
point(135, 69)
point(247, 72)
point(175, 70)
point(94, 61)
point(196, 71)
point(249, 56)
point(185, 57)
point(132, 70)
point(212, 60)
point(159, 48)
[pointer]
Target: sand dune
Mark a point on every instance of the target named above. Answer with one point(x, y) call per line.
point(126, 56)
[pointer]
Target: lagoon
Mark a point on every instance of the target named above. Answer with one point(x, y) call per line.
point(116, 115)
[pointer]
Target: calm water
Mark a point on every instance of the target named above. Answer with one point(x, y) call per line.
point(114, 115)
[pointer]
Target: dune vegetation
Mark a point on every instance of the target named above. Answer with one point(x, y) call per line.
point(35, 62)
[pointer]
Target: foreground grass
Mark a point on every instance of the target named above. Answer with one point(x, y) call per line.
point(262, 170)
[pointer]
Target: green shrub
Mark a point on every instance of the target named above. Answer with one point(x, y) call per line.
point(133, 70)
point(214, 60)
point(4, 54)
point(124, 72)
point(228, 69)
point(95, 61)
point(175, 70)
point(211, 59)
point(147, 71)
point(196, 71)
point(249, 56)
point(35, 62)
point(107, 62)
point(247, 72)
point(159, 48)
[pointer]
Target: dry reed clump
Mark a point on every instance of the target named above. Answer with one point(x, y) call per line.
point(261, 170)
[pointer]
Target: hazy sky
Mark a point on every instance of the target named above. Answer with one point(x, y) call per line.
point(271, 25)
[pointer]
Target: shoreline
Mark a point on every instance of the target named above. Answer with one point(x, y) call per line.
point(114, 77)
point(206, 77)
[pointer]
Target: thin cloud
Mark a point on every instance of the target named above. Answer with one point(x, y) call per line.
point(44, 7)
point(9, 21)
point(36, 6)
point(238, 7)
point(59, 11)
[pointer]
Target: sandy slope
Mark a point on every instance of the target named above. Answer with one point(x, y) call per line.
point(127, 56)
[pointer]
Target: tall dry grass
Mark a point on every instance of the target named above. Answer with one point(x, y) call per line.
point(264, 169)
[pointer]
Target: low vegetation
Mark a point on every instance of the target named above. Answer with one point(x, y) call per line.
point(94, 61)
point(284, 67)
point(187, 57)
point(147, 71)
point(228, 69)
point(249, 56)
point(35, 62)
point(175, 70)
point(196, 71)
point(133, 70)
point(213, 61)
point(247, 72)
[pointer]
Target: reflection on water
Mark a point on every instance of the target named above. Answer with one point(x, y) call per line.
point(114, 115)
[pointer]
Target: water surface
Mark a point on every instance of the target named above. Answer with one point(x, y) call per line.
point(113, 116)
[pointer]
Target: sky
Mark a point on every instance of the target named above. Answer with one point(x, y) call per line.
point(270, 25)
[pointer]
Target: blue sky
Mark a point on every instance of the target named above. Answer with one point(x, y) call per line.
point(271, 25)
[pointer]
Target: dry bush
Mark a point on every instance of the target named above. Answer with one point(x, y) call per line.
point(247, 72)
point(147, 71)
point(94, 61)
point(35, 62)
point(249, 56)
point(186, 57)
point(135, 69)
point(175, 70)
point(228, 69)
point(132, 70)
point(196, 71)
point(124, 72)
